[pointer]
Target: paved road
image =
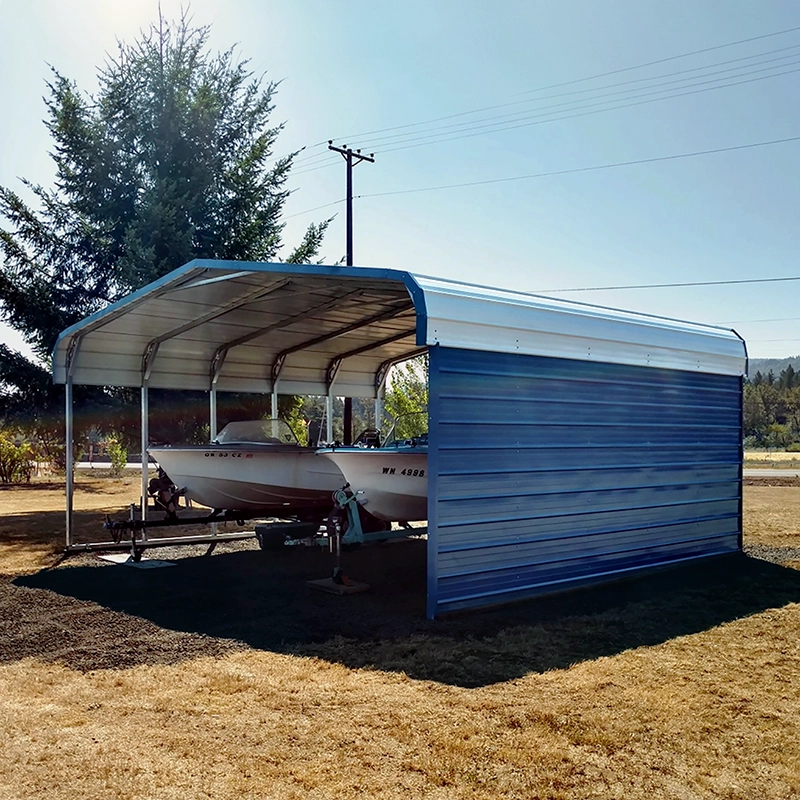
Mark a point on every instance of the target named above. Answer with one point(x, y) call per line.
point(758, 472)
point(107, 465)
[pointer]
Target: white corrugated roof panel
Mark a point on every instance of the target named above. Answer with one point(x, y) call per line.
point(253, 327)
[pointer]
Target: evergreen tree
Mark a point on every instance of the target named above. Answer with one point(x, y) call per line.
point(788, 379)
point(170, 160)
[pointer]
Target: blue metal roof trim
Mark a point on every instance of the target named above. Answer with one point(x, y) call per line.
point(553, 473)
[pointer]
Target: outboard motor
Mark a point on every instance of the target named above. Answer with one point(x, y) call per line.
point(165, 494)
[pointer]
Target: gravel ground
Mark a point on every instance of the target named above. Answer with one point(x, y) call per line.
point(777, 555)
point(91, 615)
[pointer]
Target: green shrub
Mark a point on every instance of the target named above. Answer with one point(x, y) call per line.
point(16, 460)
point(118, 456)
point(794, 447)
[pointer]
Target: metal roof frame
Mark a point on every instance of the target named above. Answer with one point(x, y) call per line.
point(216, 305)
point(280, 359)
point(230, 325)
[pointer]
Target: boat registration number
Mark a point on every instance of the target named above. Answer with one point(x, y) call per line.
point(414, 473)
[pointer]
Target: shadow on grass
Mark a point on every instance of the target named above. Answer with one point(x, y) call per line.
point(47, 527)
point(259, 600)
point(93, 482)
point(38, 486)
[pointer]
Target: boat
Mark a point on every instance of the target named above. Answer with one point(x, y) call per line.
point(254, 466)
point(390, 480)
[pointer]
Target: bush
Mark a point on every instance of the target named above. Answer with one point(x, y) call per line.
point(118, 455)
point(16, 460)
point(794, 447)
point(56, 455)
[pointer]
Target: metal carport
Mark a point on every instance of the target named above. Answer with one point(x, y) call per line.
point(568, 443)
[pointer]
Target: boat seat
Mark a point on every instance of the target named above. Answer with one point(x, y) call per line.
point(369, 437)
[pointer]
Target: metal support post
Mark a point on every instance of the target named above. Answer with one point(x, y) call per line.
point(212, 425)
point(68, 436)
point(347, 422)
point(274, 405)
point(212, 414)
point(145, 442)
point(329, 417)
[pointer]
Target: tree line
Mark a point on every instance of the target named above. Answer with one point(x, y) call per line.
point(772, 410)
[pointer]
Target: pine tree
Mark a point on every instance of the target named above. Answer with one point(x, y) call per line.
point(171, 159)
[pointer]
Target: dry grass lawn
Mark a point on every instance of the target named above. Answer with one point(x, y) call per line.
point(771, 458)
point(116, 684)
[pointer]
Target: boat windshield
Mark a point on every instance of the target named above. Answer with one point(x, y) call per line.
point(408, 430)
point(256, 431)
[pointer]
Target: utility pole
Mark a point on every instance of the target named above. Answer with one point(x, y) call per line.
point(351, 158)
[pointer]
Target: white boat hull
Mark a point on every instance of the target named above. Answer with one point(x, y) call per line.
point(392, 484)
point(269, 478)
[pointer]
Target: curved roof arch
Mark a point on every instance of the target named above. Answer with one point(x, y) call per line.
point(315, 329)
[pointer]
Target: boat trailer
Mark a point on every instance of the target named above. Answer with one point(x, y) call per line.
point(345, 528)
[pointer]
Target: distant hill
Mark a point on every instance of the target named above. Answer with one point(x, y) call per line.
point(777, 365)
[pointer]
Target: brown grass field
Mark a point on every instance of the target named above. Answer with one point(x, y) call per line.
point(225, 677)
point(775, 459)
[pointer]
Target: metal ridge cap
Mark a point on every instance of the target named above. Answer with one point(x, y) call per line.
point(522, 298)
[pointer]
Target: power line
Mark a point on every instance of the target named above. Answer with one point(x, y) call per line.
point(309, 157)
point(575, 81)
point(316, 208)
point(438, 138)
point(315, 167)
point(582, 113)
point(308, 160)
point(474, 124)
point(664, 75)
point(668, 58)
point(554, 173)
point(671, 285)
point(753, 321)
point(596, 167)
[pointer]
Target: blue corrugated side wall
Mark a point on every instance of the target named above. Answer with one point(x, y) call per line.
point(548, 473)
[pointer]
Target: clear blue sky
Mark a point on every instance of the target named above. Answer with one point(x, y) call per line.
point(348, 68)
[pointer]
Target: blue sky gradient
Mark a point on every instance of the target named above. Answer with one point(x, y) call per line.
point(348, 68)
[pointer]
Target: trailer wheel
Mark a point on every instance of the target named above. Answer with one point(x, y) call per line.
point(270, 540)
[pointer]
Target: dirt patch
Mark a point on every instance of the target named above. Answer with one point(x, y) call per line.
point(775, 481)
